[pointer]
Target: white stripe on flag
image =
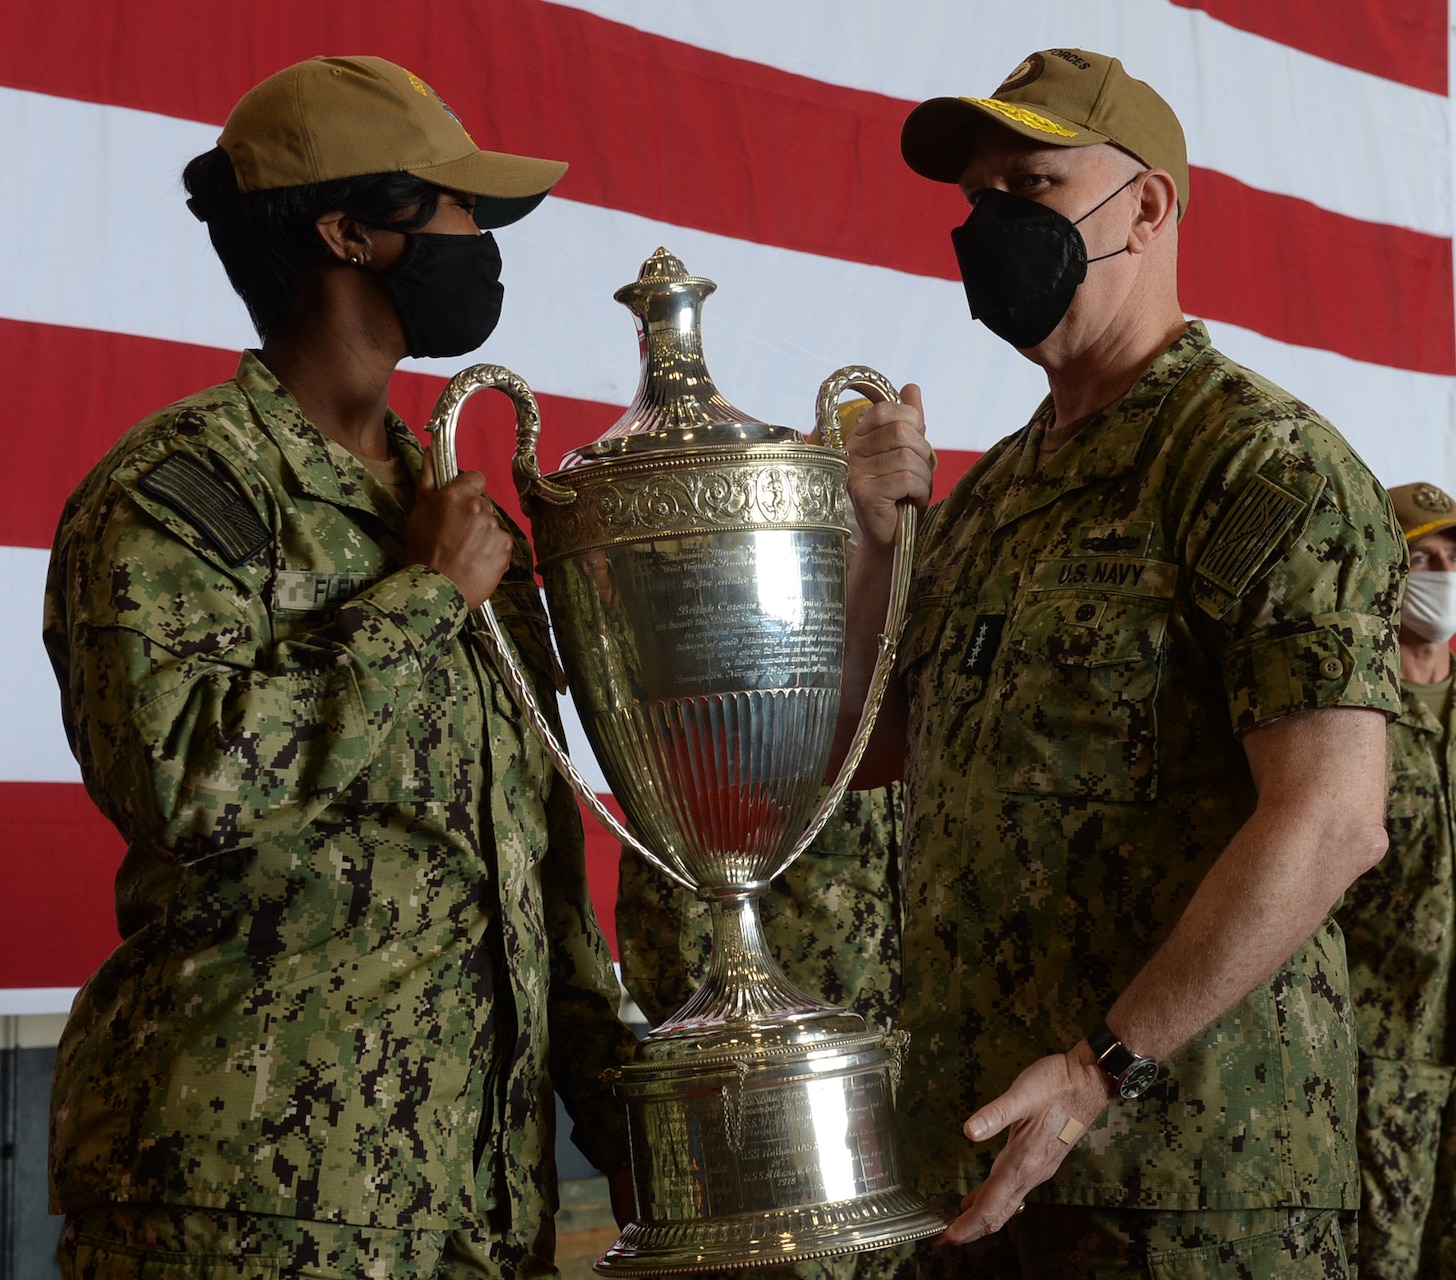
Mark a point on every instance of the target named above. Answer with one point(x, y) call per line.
point(119, 252)
point(33, 746)
point(1398, 422)
point(31, 1002)
point(1269, 115)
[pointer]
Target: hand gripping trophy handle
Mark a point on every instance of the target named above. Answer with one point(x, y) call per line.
point(874, 385)
point(532, 485)
point(488, 630)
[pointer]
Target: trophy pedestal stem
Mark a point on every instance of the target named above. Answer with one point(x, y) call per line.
point(745, 986)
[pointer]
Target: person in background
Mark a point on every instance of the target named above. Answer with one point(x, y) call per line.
point(1400, 932)
point(1140, 715)
point(357, 953)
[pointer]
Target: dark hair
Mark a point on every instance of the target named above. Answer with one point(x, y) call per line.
point(267, 240)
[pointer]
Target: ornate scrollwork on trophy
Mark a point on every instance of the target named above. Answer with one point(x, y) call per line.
point(801, 491)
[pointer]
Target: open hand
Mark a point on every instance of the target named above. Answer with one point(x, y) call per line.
point(1048, 1107)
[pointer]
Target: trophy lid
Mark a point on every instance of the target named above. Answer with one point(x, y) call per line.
point(676, 405)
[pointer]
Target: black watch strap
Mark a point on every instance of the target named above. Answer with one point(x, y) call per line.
point(1133, 1074)
point(1113, 1056)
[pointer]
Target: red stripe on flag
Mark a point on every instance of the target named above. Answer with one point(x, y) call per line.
point(698, 139)
point(1405, 42)
point(72, 393)
point(71, 421)
point(1301, 274)
point(61, 858)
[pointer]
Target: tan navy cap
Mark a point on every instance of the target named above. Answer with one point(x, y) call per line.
point(1422, 509)
point(331, 118)
point(1061, 98)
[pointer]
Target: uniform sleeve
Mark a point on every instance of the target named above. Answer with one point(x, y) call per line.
point(1296, 560)
point(199, 732)
point(587, 1036)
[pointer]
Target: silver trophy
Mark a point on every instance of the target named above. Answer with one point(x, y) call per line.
point(694, 566)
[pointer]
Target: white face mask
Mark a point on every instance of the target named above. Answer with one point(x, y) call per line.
point(1429, 610)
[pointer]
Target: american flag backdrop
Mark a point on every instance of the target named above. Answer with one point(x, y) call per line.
point(755, 139)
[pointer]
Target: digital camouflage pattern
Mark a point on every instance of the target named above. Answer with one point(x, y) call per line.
point(1400, 918)
point(354, 918)
point(832, 921)
point(172, 1242)
point(1407, 1145)
point(1085, 644)
point(1064, 1241)
point(1400, 927)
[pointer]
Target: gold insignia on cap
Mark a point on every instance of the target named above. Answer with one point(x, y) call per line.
point(1022, 116)
point(417, 84)
point(1028, 71)
point(1429, 498)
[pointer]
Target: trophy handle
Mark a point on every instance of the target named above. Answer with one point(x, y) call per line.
point(877, 388)
point(525, 470)
point(868, 382)
point(488, 631)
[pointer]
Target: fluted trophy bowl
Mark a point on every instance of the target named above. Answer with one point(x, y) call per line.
point(694, 563)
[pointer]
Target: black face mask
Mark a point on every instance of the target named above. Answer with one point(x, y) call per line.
point(447, 290)
point(1021, 262)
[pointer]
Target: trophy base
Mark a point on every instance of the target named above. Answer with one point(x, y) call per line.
point(776, 1149)
point(881, 1221)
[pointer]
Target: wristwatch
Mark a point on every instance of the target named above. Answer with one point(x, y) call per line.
point(1133, 1074)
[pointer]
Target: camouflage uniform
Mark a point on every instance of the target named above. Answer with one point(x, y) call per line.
point(356, 931)
point(833, 922)
point(1400, 928)
point(1086, 643)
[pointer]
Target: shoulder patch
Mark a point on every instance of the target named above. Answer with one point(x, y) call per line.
point(210, 503)
point(1252, 527)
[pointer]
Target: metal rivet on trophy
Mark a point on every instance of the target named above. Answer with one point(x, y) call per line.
point(694, 567)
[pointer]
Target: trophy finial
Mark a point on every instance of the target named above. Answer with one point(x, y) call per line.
point(676, 405)
point(664, 287)
point(662, 268)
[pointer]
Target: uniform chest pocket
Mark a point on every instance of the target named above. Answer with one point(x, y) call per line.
point(924, 631)
point(1078, 712)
